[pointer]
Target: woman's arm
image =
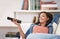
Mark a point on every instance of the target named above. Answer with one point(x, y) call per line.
point(19, 28)
point(21, 31)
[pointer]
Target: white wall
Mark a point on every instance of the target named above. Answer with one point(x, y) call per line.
point(7, 8)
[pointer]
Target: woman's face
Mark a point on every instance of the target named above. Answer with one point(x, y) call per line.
point(43, 18)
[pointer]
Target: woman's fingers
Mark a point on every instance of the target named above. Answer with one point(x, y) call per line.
point(15, 21)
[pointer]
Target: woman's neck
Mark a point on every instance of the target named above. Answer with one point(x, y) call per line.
point(43, 24)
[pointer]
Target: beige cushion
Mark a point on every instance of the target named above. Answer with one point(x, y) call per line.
point(54, 27)
point(58, 30)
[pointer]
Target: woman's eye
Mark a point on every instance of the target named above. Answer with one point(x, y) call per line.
point(43, 16)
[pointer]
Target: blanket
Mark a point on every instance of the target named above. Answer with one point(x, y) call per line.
point(42, 36)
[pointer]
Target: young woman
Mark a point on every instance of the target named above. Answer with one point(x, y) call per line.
point(42, 27)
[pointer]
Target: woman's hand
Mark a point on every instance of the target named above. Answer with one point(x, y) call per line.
point(15, 22)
